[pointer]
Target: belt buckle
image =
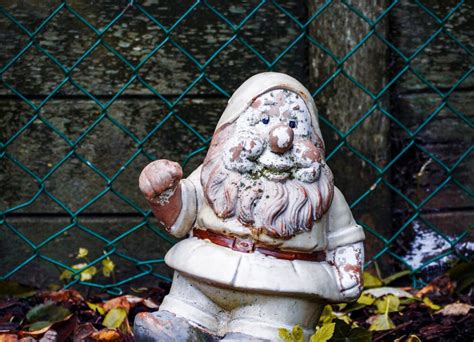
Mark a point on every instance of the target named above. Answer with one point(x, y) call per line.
point(243, 245)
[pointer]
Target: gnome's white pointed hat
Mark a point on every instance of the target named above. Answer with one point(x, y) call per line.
point(260, 84)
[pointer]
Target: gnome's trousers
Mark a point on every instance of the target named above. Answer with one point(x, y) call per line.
point(223, 310)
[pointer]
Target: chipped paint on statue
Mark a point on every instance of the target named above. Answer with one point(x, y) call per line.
point(268, 228)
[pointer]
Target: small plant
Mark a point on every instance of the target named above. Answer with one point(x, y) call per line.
point(87, 272)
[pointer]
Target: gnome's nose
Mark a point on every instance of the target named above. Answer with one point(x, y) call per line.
point(281, 138)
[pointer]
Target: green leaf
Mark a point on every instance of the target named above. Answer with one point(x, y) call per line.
point(382, 322)
point(297, 333)
point(39, 325)
point(366, 299)
point(371, 281)
point(115, 318)
point(343, 332)
point(327, 315)
point(43, 315)
point(323, 333)
point(430, 304)
point(47, 312)
point(389, 303)
point(285, 335)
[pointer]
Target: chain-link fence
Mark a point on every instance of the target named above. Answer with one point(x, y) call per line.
point(63, 189)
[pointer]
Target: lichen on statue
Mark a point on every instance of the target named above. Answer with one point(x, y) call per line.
point(271, 239)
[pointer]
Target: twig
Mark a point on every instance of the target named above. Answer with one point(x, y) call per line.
point(398, 327)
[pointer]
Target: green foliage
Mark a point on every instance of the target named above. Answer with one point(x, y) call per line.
point(323, 333)
point(44, 315)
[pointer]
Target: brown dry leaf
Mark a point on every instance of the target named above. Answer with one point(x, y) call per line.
point(119, 302)
point(63, 296)
point(41, 331)
point(8, 338)
point(455, 309)
point(84, 331)
point(441, 284)
point(106, 335)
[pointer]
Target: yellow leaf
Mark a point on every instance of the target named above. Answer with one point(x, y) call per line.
point(297, 333)
point(371, 281)
point(108, 267)
point(323, 333)
point(97, 308)
point(366, 299)
point(83, 252)
point(327, 315)
point(88, 273)
point(66, 275)
point(430, 304)
point(285, 335)
point(381, 322)
point(389, 303)
point(114, 318)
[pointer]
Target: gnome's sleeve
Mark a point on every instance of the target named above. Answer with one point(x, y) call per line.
point(191, 196)
point(345, 249)
point(343, 229)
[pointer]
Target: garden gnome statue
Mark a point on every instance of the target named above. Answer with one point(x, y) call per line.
point(270, 238)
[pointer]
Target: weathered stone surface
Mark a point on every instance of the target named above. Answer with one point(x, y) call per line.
point(343, 103)
point(106, 147)
point(135, 36)
point(163, 326)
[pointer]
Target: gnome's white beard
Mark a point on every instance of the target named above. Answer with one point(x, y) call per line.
point(278, 209)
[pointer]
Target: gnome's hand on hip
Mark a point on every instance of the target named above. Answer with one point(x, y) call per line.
point(159, 182)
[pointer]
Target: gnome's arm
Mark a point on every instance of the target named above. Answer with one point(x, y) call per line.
point(345, 249)
point(174, 201)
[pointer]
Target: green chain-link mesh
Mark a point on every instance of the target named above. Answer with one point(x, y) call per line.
point(145, 267)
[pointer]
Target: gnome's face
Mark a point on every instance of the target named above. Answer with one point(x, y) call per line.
point(267, 168)
point(273, 140)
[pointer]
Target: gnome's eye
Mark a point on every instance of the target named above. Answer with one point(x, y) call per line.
point(292, 124)
point(265, 119)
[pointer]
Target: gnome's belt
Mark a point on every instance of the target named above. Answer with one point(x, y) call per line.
point(248, 246)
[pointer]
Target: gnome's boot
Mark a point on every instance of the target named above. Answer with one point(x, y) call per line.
point(164, 326)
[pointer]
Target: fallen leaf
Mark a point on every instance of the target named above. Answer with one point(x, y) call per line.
point(323, 333)
point(455, 309)
point(44, 315)
point(106, 335)
point(381, 322)
point(62, 296)
point(366, 299)
point(99, 308)
point(371, 281)
point(389, 303)
point(118, 302)
point(83, 331)
point(343, 332)
point(383, 291)
point(427, 301)
point(8, 338)
point(115, 318)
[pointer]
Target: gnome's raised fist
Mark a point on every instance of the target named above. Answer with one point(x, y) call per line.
point(159, 182)
point(159, 179)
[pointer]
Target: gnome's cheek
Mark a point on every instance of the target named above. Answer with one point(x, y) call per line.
point(309, 174)
point(236, 159)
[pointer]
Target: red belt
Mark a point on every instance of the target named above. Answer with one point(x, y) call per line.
point(248, 246)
